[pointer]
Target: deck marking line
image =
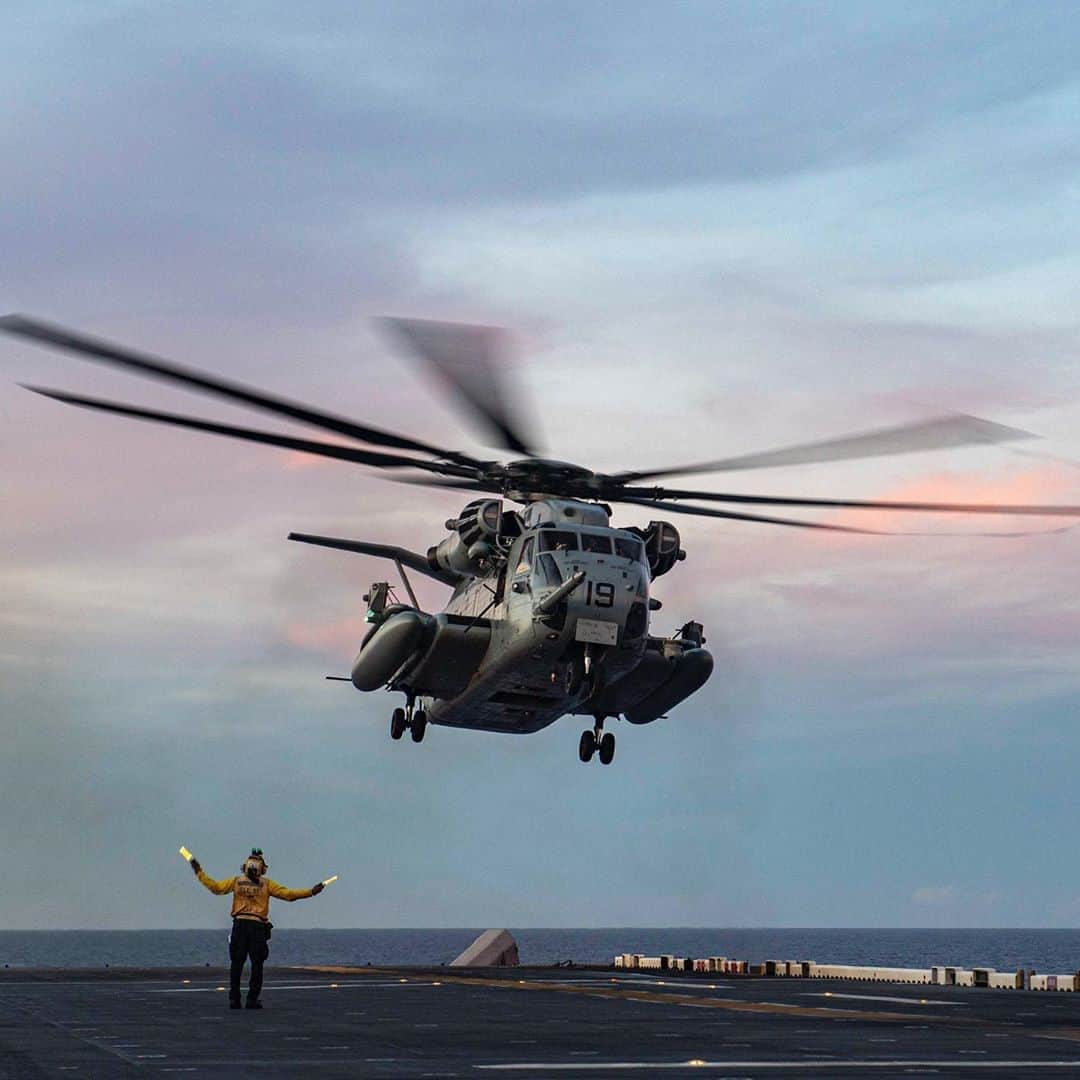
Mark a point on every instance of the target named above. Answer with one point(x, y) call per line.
point(611, 1066)
point(269, 986)
point(882, 997)
point(1068, 1034)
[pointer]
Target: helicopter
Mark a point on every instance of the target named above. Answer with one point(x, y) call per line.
point(551, 604)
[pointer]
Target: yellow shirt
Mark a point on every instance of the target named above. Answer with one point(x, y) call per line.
point(251, 899)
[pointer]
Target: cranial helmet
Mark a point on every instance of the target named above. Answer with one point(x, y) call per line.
point(254, 866)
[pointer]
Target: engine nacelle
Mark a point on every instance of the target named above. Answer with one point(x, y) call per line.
point(662, 546)
point(473, 541)
point(388, 647)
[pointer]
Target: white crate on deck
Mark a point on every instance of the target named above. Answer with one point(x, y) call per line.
point(1053, 982)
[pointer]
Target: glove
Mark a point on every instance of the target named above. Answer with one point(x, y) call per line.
point(316, 889)
point(196, 866)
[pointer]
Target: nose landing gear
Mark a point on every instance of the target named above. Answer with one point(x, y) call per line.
point(597, 739)
point(411, 719)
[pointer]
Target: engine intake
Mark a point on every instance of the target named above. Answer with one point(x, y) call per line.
point(473, 541)
point(662, 546)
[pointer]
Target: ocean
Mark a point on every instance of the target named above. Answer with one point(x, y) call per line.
point(1005, 950)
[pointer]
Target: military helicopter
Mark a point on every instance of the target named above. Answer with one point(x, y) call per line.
point(550, 607)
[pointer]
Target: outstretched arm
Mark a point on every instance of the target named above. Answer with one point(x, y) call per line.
point(216, 887)
point(281, 893)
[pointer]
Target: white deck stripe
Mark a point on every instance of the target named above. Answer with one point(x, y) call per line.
point(882, 997)
point(805, 1064)
point(275, 987)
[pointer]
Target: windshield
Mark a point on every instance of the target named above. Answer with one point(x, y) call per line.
point(557, 540)
point(546, 570)
point(597, 542)
point(630, 549)
point(526, 557)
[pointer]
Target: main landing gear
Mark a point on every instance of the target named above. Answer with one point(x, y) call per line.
point(597, 740)
point(414, 720)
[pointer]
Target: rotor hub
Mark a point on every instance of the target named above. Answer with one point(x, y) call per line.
point(545, 476)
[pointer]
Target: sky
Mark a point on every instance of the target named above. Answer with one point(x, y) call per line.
point(713, 229)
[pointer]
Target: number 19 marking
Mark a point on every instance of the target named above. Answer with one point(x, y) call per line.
point(602, 594)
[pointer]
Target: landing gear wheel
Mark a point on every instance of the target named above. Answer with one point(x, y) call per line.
point(418, 725)
point(587, 746)
point(607, 749)
point(397, 723)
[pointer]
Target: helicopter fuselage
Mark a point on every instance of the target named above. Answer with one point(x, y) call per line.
point(557, 625)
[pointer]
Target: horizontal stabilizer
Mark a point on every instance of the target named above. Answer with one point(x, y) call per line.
point(412, 559)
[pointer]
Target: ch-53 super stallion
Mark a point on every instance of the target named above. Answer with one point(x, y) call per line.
point(550, 607)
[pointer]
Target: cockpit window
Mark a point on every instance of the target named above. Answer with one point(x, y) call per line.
point(558, 540)
point(526, 557)
point(630, 549)
point(546, 571)
point(596, 542)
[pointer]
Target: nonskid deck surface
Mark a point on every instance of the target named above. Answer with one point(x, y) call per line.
point(527, 1022)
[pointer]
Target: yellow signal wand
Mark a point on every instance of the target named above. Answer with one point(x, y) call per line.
point(187, 854)
point(330, 880)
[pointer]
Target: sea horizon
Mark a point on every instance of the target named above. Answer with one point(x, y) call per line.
point(1004, 948)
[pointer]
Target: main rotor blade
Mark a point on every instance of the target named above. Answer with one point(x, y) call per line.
point(703, 511)
point(467, 359)
point(857, 504)
point(285, 442)
point(458, 485)
point(935, 434)
point(118, 355)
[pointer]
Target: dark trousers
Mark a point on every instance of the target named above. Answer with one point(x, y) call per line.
point(247, 941)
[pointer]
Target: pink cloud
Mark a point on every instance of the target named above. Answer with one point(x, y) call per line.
point(1044, 484)
point(337, 639)
point(297, 461)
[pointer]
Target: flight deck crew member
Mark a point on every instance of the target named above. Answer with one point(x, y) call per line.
point(251, 891)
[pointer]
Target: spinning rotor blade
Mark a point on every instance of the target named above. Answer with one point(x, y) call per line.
point(858, 504)
point(286, 442)
point(467, 359)
point(703, 511)
point(936, 434)
point(107, 353)
point(458, 485)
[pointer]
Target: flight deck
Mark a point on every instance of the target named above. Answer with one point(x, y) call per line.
point(521, 1022)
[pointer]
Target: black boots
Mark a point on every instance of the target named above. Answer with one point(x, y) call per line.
point(252, 1004)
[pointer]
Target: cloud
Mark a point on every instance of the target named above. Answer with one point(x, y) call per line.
point(1045, 485)
point(335, 638)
